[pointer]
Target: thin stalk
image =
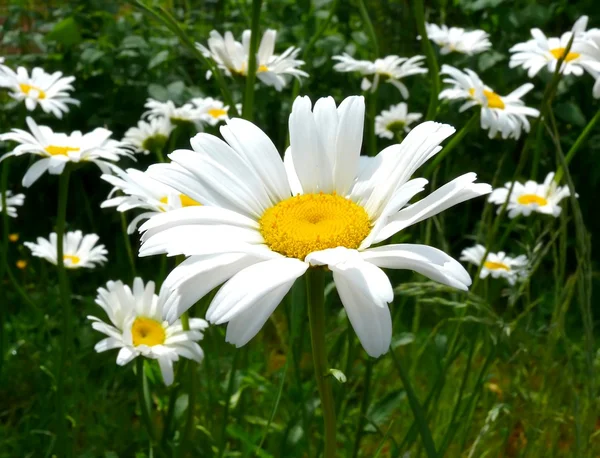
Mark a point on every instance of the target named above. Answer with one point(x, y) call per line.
point(364, 14)
point(248, 107)
point(191, 389)
point(434, 70)
point(364, 405)
point(372, 113)
point(127, 242)
point(230, 386)
point(144, 397)
point(315, 288)
point(4, 254)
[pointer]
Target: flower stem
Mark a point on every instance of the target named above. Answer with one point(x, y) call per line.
point(64, 448)
point(434, 70)
point(315, 287)
point(363, 407)
point(248, 108)
point(230, 386)
point(191, 389)
point(127, 242)
point(144, 397)
point(3, 253)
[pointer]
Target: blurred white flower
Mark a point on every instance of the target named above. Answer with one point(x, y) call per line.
point(390, 69)
point(531, 197)
point(498, 265)
point(213, 111)
point(138, 327)
point(456, 39)
point(506, 115)
point(148, 136)
point(186, 113)
point(78, 250)
point(57, 149)
point(395, 120)
point(12, 202)
point(50, 91)
point(232, 57)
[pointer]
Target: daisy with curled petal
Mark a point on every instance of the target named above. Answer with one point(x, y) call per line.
point(186, 113)
point(506, 115)
point(50, 91)
point(531, 197)
point(232, 57)
point(78, 250)
point(58, 149)
point(266, 221)
point(138, 327)
point(498, 265)
point(12, 202)
point(390, 69)
point(456, 39)
point(395, 120)
point(142, 191)
point(149, 136)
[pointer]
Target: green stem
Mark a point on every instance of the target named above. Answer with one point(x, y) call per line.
point(4, 254)
point(372, 113)
point(144, 397)
point(315, 287)
point(127, 242)
point(191, 373)
point(363, 408)
point(364, 13)
point(434, 70)
point(248, 107)
point(230, 387)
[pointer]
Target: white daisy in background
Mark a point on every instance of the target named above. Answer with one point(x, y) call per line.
point(78, 250)
point(390, 69)
point(395, 120)
point(4, 79)
point(266, 221)
point(187, 113)
point(142, 191)
point(232, 57)
point(138, 327)
point(50, 91)
point(149, 136)
point(12, 202)
point(456, 39)
point(213, 111)
point(531, 197)
point(57, 149)
point(506, 115)
point(497, 264)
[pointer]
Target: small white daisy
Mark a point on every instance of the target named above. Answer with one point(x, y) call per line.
point(149, 136)
point(50, 91)
point(456, 39)
point(57, 149)
point(12, 202)
point(497, 264)
point(390, 69)
point(531, 197)
point(506, 115)
point(213, 111)
point(142, 191)
point(78, 250)
point(395, 120)
point(232, 57)
point(139, 329)
point(186, 113)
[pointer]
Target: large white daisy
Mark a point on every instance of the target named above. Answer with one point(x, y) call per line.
point(506, 115)
point(149, 136)
point(12, 202)
point(456, 39)
point(50, 91)
point(232, 57)
point(266, 221)
point(390, 69)
point(531, 197)
point(57, 149)
point(498, 265)
point(139, 329)
point(78, 250)
point(396, 119)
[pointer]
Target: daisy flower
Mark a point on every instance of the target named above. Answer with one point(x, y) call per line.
point(506, 115)
point(531, 197)
point(232, 57)
point(142, 191)
point(186, 113)
point(78, 250)
point(149, 136)
point(456, 39)
point(266, 221)
point(498, 265)
point(58, 149)
point(213, 111)
point(138, 329)
point(390, 69)
point(12, 202)
point(395, 120)
point(49, 91)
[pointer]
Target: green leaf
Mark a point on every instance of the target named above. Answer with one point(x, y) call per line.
point(65, 32)
point(158, 92)
point(570, 113)
point(160, 58)
point(134, 41)
point(91, 55)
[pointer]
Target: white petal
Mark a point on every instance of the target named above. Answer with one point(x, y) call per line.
point(35, 171)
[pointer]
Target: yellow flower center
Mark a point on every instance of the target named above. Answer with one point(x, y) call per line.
point(262, 68)
point(217, 112)
point(25, 88)
point(528, 199)
point(54, 150)
point(560, 52)
point(493, 99)
point(21, 264)
point(13, 237)
point(495, 266)
point(73, 260)
point(185, 201)
point(305, 223)
point(146, 331)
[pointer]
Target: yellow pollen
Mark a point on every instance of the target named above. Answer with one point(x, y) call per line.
point(217, 112)
point(54, 150)
point(495, 266)
point(73, 260)
point(560, 52)
point(185, 201)
point(25, 88)
point(13, 237)
point(262, 68)
point(528, 199)
point(146, 331)
point(305, 223)
point(21, 264)
point(494, 100)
